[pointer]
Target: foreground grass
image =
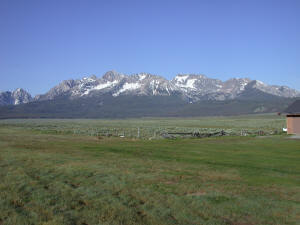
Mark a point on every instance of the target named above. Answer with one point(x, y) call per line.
point(72, 179)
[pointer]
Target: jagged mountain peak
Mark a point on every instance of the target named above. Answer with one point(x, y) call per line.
point(189, 75)
point(58, 90)
point(91, 78)
point(112, 75)
point(21, 96)
point(19, 90)
point(18, 96)
point(281, 91)
point(144, 84)
point(238, 79)
point(235, 85)
point(191, 87)
point(144, 75)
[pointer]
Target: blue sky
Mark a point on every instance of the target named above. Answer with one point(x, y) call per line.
point(45, 42)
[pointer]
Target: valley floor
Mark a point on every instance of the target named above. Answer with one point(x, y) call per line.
point(64, 178)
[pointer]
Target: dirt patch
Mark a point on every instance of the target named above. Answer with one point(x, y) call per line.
point(230, 222)
point(170, 182)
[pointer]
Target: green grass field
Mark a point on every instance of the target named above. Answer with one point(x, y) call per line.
point(150, 127)
point(69, 178)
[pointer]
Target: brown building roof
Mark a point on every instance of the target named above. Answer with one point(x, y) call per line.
point(293, 108)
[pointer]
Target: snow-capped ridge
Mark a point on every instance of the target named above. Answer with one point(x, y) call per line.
point(191, 87)
point(18, 96)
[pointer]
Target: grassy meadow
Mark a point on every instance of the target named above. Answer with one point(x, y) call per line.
point(150, 127)
point(56, 172)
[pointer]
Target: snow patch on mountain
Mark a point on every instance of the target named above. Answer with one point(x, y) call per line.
point(181, 78)
point(260, 83)
point(142, 76)
point(243, 85)
point(105, 85)
point(189, 84)
point(127, 87)
point(101, 86)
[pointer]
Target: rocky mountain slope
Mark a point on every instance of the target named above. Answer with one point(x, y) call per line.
point(191, 87)
point(116, 95)
point(18, 96)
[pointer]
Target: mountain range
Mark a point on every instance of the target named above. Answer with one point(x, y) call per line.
point(188, 93)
